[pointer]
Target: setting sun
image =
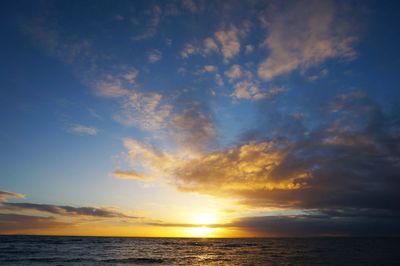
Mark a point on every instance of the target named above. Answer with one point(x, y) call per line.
point(205, 219)
point(206, 222)
point(202, 231)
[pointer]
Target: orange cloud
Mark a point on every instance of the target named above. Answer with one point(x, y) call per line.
point(131, 175)
point(233, 171)
point(5, 195)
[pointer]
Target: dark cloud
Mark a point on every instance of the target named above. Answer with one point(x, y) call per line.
point(16, 217)
point(17, 223)
point(65, 210)
point(320, 225)
point(4, 195)
point(351, 160)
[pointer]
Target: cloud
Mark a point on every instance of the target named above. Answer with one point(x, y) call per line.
point(130, 75)
point(188, 50)
point(56, 209)
point(64, 210)
point(145, 111)
point(219, 80)
point(110, 88)
point(229, 40)
point(234, 72)
point(83, 130)
point(116, 85)
point(210, 45)
point(312, 224)
point(152, 162)
point(233, 171)
point(49, 37)
point(154, 56)
point(229, 171)
point(5, 195)
point(152, 27)
point(131, 175)
point(210, 68)
point(23, 217)
point(274, 91)
point(249, 49)
point(190, 5)
point(247, 89)
point(15, 223)
point(190, 132)
point(193, 128)
point(14, 217)
point(320, 225)
point(304, 34)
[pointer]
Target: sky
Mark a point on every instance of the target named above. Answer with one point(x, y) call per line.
point(200, 118)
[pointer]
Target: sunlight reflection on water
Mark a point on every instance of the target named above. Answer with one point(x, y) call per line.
point(33, 250)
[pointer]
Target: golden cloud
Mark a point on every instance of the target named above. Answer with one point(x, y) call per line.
point(130, 175)
point(244, 168)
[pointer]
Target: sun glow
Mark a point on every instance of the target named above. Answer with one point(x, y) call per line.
point(205, 222)
point(205, 219)
point(202, 231)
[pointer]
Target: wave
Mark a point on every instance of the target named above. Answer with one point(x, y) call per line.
point(238, 245)
point(134, 260)
point(58, 259)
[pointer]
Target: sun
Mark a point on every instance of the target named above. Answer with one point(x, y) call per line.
point(205, 228)
point(201, 231)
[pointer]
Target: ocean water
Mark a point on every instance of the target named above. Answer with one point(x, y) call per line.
point(44, 250)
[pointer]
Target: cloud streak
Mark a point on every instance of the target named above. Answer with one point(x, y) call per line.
point(131, 175)
point(83, 130)
point(16, 223)
point(5, 195)
point(65, 210)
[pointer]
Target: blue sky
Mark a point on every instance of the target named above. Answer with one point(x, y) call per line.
point(202, 105)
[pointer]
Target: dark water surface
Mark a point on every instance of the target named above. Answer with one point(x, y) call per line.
point(43, 250)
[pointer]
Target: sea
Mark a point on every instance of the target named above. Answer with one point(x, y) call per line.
point(57, 250)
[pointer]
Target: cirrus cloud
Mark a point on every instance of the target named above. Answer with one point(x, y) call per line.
point(83, 130)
